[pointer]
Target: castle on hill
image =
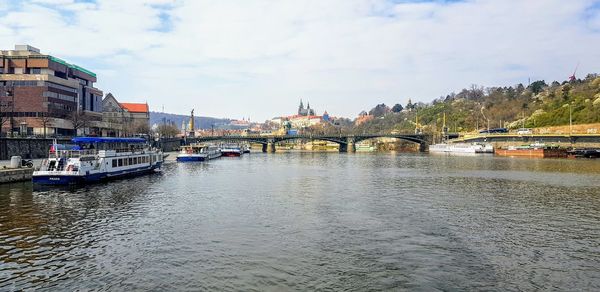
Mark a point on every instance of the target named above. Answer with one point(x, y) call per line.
point(305, 111)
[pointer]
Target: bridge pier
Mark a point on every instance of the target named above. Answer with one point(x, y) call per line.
point(269, 147)
point(423, 147)
point(350, 147)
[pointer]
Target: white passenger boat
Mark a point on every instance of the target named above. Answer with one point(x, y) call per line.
point(461, 148)
point(231, 150)
point(94, 159)
point(198, 152)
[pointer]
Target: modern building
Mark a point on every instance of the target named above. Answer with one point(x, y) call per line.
point(124, 119)
point(44, 95)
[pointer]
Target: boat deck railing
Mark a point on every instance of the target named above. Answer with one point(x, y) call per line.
point(93, 152)
point(72, 153)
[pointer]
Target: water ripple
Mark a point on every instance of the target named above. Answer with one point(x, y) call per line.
point(312, 221)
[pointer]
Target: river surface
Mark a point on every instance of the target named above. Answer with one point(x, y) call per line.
point(313, 221)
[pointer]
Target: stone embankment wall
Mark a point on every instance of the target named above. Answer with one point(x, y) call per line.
point(168, 145)
point(25, 147)
point(14, 175)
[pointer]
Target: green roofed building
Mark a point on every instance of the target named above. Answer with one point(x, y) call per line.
point(45, 95)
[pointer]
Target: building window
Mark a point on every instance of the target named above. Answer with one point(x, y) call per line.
point(35, 71)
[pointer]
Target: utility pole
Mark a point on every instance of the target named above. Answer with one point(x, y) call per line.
point(417, 122)
point(570, 119)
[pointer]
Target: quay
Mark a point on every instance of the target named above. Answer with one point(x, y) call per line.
point(9, 175)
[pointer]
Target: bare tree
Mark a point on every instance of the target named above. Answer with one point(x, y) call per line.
point(46, 121)
point(4, 110)
point(79, 120)
point(168, 130)
point(142, 128)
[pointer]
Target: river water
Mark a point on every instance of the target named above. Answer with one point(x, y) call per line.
point(313, 221)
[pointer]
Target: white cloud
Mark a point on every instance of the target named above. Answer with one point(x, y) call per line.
point(257, 58)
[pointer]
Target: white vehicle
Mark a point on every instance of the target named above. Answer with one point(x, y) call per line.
point(524, 131)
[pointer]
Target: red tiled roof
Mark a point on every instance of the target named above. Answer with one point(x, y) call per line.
point(135, 107)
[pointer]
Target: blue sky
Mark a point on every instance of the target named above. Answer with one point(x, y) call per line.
point(258, 58)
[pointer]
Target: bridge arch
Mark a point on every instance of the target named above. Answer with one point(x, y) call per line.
point(339, 140)
point(346, 142)
point(257, 140)
point(413, 139)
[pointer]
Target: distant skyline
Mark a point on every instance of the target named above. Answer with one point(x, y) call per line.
point(257, 59)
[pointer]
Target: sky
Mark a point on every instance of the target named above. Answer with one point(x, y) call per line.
point(256, 59)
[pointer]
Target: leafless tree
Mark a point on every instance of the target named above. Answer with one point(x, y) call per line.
point(142, 128)
point(168, 130)
point(79, 120)
point(4, 110)
point(46, 121)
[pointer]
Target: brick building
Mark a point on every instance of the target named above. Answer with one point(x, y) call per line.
point(41, 94)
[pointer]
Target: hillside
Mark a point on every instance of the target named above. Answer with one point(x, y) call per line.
point(200, 122)
point(536, 105)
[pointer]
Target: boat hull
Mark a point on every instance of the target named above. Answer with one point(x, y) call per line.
point(231, 154)
point(51, 179)
point(191, 158)
point(539, 153)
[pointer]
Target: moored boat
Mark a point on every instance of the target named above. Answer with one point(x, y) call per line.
point(533, 150)
point(461, 148)
point(584, 153)
point(231, 150)
point(94, 159)
point(198, 152)
point(246, 148)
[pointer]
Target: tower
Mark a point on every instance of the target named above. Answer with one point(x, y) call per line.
point(301, 107)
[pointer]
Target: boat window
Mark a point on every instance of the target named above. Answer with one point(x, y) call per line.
point(135, 160)
point(130, 161)
point(114, 163)
point(120, 162)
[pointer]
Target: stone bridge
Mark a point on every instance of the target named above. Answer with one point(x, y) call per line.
point(346, 142)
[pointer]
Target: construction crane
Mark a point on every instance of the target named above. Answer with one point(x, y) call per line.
point(572, 77)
